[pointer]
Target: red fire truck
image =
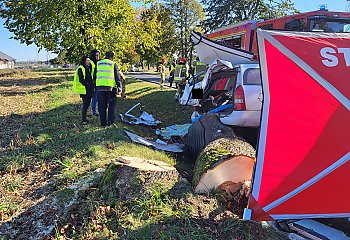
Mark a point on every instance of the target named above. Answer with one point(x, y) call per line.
point(243, 35)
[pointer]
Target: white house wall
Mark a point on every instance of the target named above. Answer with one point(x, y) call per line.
point(6, 64)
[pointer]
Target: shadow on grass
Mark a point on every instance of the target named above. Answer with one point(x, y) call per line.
point(50, 70)
point(57, 138)
point(30, 91)
point(172, 214)
point(194, 217)
point(204, 229)
point(142, 73)
point(29, 82)
point(28, 85)
point(140, 91)
point(58, 133)
point(52, 150)
point(53, 136)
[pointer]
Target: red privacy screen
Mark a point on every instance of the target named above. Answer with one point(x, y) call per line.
point(303, 166)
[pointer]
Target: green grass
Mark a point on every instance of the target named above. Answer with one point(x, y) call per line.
point(157, 216)
point(11, 184)
point(57, 133)
point(50, 133)
point(8, 207)
point(44, 148)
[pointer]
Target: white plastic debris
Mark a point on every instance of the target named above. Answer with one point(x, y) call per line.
point(175, 148)
point(178, 130)
point(144, 118)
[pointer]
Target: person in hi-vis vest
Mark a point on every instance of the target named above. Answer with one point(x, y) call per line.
point(108, 85)
point(94, 57)
point(180, 76)
point(198, 66)
point(84, 85)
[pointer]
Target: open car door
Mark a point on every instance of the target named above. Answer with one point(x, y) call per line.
point(303, 167)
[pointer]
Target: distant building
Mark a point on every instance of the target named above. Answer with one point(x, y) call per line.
point(6, 61)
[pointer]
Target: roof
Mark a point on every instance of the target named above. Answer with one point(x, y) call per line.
point(6, 57)
point(235, 25)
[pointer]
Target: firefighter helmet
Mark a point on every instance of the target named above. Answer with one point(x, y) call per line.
point(182, 60)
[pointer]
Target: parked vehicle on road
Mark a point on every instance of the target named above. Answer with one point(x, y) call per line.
point(241, 84)
point(234, 43)
point(224, 84)
point(242, 35)
point(246, 98)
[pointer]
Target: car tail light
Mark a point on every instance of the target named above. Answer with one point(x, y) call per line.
point(238, 99)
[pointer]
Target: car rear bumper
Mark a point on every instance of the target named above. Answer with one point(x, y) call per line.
point(242, 118)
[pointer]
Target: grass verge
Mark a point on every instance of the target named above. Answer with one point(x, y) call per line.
point(44, 148)
point(42, 140)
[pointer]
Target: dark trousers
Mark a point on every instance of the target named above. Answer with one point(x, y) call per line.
point(94, 102)
point(86, 103)
point(171, 79)
point(106, 102)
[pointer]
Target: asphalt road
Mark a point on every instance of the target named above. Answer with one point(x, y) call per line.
point(149, 77)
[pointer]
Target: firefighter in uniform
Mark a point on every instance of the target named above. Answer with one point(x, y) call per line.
point(198, 66)
point(162, 69)
point(172, 70)
point(108, 85)
point(180, 76)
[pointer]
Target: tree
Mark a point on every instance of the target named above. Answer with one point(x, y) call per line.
point(275, 9)
point(224, 12)
point(156, 34)
point(187, 15)
point(168, 39)
point(60, 59)
point(149, 31)
point(73, 26)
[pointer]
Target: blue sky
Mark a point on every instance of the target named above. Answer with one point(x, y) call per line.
point(22, 52)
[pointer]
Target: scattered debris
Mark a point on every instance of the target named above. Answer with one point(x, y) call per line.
point(144, 118)
point(315, 230)
point(178, 130)
point(175, 147)
point(160, 141)
point(215, 110)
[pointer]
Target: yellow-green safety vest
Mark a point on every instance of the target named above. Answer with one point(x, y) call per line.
point(180, 73)
point(198, 63)
point(77, 86)
point(199, 66)
point(105, 73)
